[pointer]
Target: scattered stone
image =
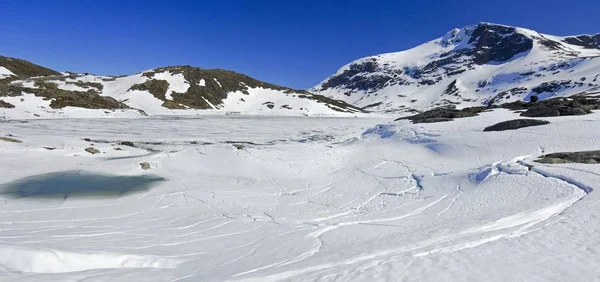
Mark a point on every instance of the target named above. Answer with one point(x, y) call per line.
point(92, 150)
point(9, 139)
point(145, 165)
point(126, 143)
point(584, 157)
point(515, 124)
point(49, 148)
point(239, 146)
point(118, 149)
point(87, 139)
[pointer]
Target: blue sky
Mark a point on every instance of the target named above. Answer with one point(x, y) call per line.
point(291, 43)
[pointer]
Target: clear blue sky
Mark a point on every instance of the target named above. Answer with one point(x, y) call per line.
point(291, 43)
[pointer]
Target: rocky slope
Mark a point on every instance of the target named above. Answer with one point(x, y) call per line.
point(28, 90)
point(476, 65)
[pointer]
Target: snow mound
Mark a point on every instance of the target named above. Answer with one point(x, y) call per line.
point(43, 260)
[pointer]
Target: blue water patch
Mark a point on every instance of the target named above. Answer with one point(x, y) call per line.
point(78, 184)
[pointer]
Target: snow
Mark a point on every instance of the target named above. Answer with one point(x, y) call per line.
point(177, 82)
point(38, 260)
point(4, 73)
point(258, 99)
point(203, 82)
point(217, 82)
point(304, 199)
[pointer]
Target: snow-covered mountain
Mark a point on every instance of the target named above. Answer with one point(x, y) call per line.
point(475, 65)
point(27, 90)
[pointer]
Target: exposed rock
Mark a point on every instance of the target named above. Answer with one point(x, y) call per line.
point(497, 43)
point(173, 105)
point(9, 139)
point(587, 41)
point(64, 98)
point(126, 143)
point(580, 104)
point(145, 165)
point(575, 105)
point(157, 87)
point(585, 157)
point(515, 124)
point(451, 89)
point(551, 87)
point(92, 150)
point(25, 69)
point(444, 114)
point(87, 84)
point(6, 105)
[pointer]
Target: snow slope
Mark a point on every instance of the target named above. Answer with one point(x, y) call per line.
point(471, 66)
point(299, 199)
point(4, 73)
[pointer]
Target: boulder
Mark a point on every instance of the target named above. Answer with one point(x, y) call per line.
point(444, 114)
point(515, 124)
point(584, 157)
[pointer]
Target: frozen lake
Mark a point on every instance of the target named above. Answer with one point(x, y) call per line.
point(234, 198)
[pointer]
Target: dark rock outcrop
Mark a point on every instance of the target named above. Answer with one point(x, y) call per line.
point(444, 114)
point(25, 69)
point(580, 104)
point(497, 43)
point(64, 98)
point(515, 124)
point(586, 41)
point(584, 157)
point(126, 143)
point(574, 105)
point(350, 78)
point(6, 105)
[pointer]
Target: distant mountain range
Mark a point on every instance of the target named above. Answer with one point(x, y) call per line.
point(29, 90)
point(475, 65)
point(483, 64)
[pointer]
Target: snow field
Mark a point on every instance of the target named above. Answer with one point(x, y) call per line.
point(305, 199)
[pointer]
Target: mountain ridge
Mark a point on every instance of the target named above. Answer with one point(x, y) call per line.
point(164, 90)
point(475, 65)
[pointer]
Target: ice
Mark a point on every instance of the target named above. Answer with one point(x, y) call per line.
point(281, 198)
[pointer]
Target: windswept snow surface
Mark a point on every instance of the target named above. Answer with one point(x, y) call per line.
point(304, 199)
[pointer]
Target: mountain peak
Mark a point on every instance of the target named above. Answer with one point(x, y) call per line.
point(482, 63)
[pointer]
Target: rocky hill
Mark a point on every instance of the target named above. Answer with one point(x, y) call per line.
point(28, 90)
point(477, 65)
